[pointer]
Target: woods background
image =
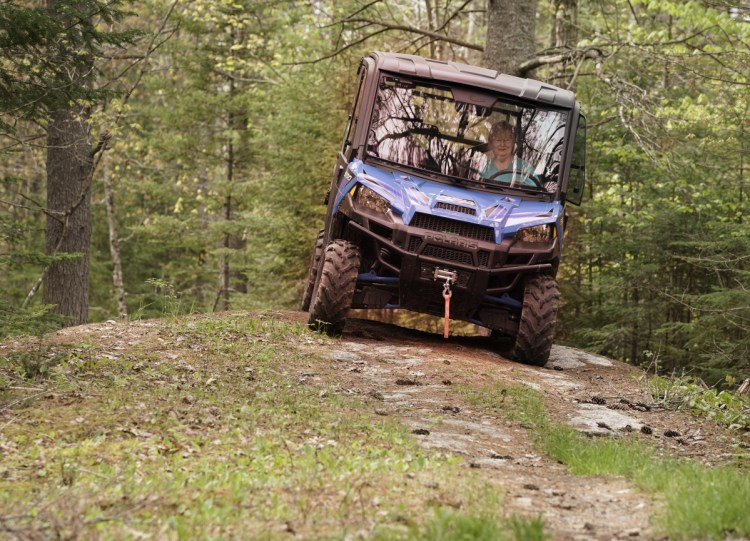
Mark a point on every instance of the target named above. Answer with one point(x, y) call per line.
point(161, 157)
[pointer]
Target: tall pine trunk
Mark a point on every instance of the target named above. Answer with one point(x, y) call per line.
point(68, 229)
point(511, 26)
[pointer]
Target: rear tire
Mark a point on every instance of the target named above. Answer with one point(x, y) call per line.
point(335, 289)
point(538, 317)
point(312, 273)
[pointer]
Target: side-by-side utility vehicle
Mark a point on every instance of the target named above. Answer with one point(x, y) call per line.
point(449, 195)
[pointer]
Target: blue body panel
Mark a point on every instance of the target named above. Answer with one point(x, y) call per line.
point(409, 194)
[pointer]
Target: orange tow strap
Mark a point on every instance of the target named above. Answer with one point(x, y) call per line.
point(446, 320)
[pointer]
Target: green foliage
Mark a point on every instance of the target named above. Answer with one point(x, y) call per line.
point(721, 406)
point(40, 47)
point(27, 321)
point(655, 260)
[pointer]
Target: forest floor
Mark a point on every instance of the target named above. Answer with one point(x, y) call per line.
point(413, 378)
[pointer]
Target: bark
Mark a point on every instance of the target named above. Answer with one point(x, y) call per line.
point(225, 272)
point(510, 34)
point(68, 229)
point(70, 167)
point(566, 36)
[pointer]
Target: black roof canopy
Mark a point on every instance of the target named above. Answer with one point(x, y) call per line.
point(465, 74)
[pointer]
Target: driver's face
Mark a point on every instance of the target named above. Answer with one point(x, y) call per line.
point(502, 143)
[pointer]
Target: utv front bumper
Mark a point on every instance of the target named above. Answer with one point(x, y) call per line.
point(404, 260)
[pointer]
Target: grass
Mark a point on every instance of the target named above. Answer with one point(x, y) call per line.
point(699, 502)
point(207, 429)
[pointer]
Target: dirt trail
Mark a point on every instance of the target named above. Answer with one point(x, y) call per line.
point(410, 376)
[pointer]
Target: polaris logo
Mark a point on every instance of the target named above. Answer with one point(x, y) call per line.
point(452, 240)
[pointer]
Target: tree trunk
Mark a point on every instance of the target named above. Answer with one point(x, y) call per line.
point(565, 37)
point(68, 229)
point(511, 25)
point(114, 244)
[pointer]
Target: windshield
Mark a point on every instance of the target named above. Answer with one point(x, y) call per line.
point(503, 144)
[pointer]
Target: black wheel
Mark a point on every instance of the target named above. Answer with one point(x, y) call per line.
point(312, 273)
point(335, 287)
point(538, 316)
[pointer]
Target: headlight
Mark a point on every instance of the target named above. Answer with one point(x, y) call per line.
point(369, 199)
point(538, 233)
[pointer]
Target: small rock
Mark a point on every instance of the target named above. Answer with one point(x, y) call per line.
point(406, 381)
point(671, 433)
point(597, 400)
point(421, 432)
point(530, 486)
point(475, 465)
point(647, 430)
point(452, 409)
point(381, 412)
point(377, 395)
point(446, 361)
point(447, 382)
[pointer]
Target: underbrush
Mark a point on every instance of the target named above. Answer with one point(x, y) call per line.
point(728, 409)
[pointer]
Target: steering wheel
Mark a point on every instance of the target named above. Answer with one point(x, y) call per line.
point(533, 177)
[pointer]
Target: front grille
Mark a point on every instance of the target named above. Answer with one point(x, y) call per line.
point(414, 244)
point(448, 254)
point(456, 208)
point(381, 230)
point(484, 258)
point(453, 227)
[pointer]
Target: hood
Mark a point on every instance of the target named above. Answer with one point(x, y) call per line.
point(409, 194)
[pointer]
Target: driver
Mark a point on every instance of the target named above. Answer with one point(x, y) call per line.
point(502, 164)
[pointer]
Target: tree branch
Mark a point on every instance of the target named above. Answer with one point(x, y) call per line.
point(413, 30)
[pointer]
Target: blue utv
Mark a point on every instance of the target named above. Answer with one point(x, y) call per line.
point(448, 198)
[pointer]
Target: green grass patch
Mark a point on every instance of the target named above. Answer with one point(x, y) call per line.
point(207, 429)
point(700, 502)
